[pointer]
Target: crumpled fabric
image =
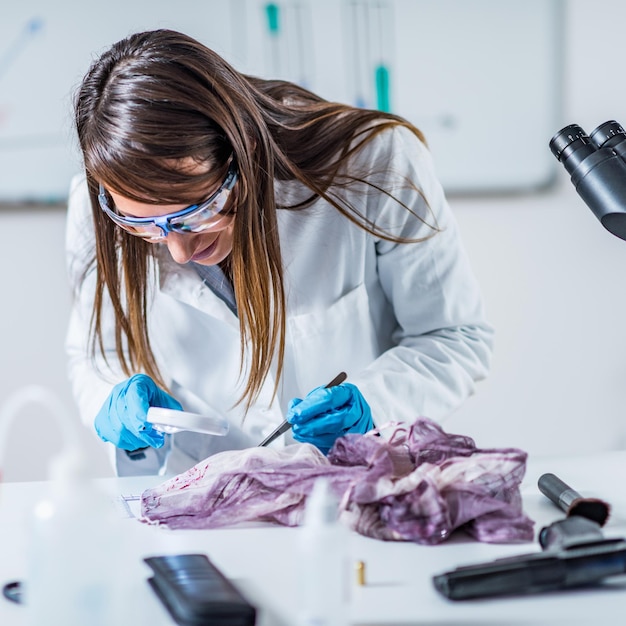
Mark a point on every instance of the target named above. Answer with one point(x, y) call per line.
point(419, 485)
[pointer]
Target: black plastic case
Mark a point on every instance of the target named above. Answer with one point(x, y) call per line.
point(196, 593)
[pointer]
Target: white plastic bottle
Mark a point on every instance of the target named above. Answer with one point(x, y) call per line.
point(76, 570)
point(322, 562)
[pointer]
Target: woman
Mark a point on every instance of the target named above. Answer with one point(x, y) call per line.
point(251, 241)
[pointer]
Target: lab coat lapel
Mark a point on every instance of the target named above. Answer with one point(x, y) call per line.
point(183, 283)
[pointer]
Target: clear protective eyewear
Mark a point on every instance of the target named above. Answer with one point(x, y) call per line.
point(192, 219)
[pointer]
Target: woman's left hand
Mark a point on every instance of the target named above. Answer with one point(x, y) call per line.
point(328, 413)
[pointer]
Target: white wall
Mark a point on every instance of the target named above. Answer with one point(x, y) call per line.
point(551, 275)
point(553, 279)
point(33, 317)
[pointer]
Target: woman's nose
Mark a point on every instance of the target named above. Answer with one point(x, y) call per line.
point(180, 246)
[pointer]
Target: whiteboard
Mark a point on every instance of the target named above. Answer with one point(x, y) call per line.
point(479, 77)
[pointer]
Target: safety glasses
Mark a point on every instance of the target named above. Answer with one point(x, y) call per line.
point(192, 219)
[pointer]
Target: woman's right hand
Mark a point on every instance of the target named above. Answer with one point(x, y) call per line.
point(122, 418)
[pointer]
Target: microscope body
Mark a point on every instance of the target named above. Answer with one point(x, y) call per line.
point(597, 165)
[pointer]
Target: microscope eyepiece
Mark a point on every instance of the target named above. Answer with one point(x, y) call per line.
point(571, 136)
point(571, 146)
point(608, 134)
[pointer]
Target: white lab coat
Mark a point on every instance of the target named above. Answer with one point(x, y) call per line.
point(405, 321)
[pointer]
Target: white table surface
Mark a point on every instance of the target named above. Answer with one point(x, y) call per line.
point(398, 590)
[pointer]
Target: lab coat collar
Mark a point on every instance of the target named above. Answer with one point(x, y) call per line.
point(183, 283)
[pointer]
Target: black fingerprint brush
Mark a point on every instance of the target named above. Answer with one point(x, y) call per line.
point(570, 501)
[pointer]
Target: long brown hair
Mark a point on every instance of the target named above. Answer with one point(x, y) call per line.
point(157, 97)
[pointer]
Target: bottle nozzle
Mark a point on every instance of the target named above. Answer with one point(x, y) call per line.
point(322, 506)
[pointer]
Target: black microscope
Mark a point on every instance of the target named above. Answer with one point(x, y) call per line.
point(597, 165)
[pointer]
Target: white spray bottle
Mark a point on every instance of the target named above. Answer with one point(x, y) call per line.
point(75, 567)
point(323, 561)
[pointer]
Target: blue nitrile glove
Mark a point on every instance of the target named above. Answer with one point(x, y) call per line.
point(122, 418)
point(328, 413)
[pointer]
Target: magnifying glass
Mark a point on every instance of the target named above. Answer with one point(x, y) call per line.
point(172, 421)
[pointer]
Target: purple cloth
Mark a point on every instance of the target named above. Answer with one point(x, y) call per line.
point(418, 485)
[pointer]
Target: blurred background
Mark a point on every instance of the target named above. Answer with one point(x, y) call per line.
point(488, 81)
